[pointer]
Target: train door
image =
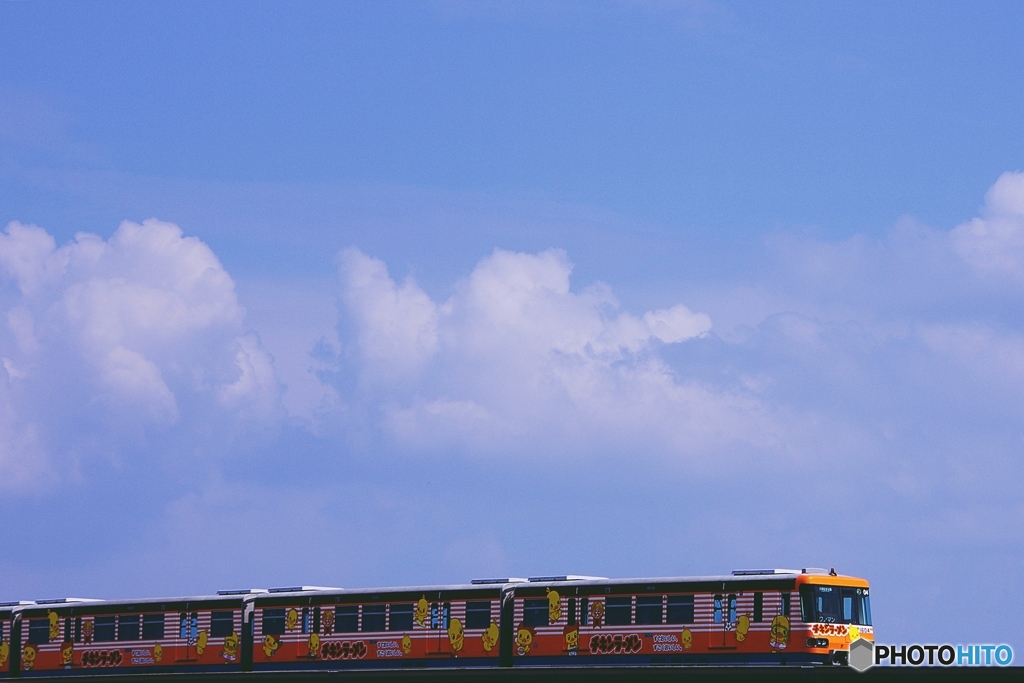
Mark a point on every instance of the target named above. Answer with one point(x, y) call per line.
point(440, 618)
point(723, 620)
point(188, 634)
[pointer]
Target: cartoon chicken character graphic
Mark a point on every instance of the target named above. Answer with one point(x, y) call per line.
point(54, 624)
point(28, 657)
point(201, 641)
point(780, 633)
point(229, 652)
point(421, 612)
point(554, 606)
point(67, 654)
point(406, 644)
point(571, 635)
point(489, 637)
point(313, 646)
point(456, 635)
point(5, 653)
point(524, 639)
point(291, 619)
point(742, 627)
point(158, 652)
point(686, 638)
point(270, 645)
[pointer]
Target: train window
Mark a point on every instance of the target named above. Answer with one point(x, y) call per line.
point(848, 608)
point(346, 619)
point(617, 611)
point(128, 627)
point(273, 621)
point(717, 614)
point(826, 604)
point(648, 609)
point(152, 626)
point(732, 608)
point(832, 604)
point(807, 604)
point(584, 611)
point(785, 605)
point(78, 629)
point(305, 620)
point(68, 624)
point(316, 620)
point(440, 615)
point(865, 614)
point(571, 616)
point(222, 624)
point(188, 626)
point(373, 618)
point(680, 609)
point(478, 614)
point(856, 606)
point(535, 612)
point(758, 606)
point(104, 629)
point(401, 617)
point(39, 631)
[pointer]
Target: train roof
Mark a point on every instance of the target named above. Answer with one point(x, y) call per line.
point(282, 594)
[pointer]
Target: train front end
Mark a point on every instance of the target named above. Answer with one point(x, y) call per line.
point(835, 611)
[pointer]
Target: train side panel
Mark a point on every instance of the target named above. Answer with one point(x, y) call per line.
point(406, 630)
point(130, 638)
point(735, 623)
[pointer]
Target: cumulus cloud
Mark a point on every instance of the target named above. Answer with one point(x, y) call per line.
point(397, 325)
point(106, 339)
point(515, 361)
point(902, 352)
point(994, 242)
point(855, 347)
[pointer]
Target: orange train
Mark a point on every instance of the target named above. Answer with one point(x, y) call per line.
point(777, 616)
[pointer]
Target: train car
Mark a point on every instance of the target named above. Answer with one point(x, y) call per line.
point(775, 616)
point(5, 636)
point(432, 626)
point(749, 617)
point(75, 636)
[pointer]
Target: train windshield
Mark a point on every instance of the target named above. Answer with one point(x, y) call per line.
point(835, 605)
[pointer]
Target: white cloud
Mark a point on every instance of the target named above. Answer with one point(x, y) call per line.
point(515, 361)
point(397, 325)
point(994, 242)
point(255, 393)
point(133, 381)
point(105, 338)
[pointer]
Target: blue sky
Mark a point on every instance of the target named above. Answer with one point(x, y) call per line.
point(376, 294)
